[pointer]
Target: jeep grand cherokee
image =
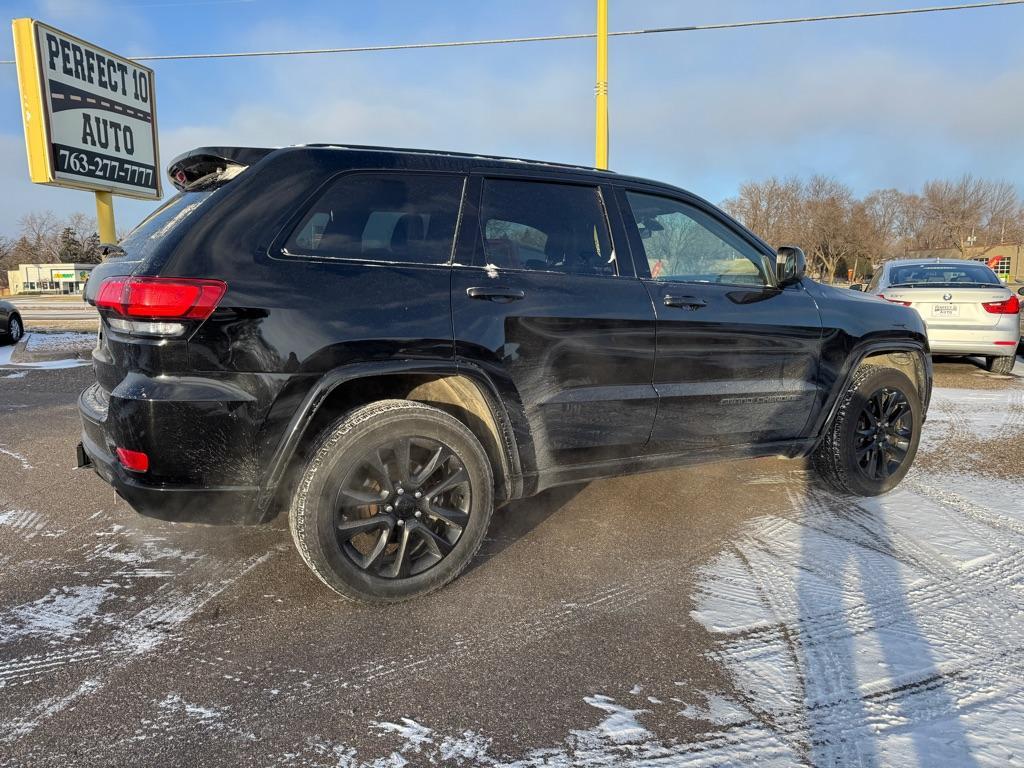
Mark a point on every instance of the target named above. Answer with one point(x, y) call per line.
point(394, 341)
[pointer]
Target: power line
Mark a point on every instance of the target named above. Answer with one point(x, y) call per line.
point(576, 36)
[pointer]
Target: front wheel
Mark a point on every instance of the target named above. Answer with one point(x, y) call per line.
point(1001, 365)
point(14, 329)
point(393, 503)
point(874, 437)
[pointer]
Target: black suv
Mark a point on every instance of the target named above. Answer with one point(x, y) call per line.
point(393, 341)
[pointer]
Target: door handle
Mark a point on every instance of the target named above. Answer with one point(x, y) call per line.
point(685, 302)
point(496, 293)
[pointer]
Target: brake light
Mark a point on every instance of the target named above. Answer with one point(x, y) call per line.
point(896, 301)
point(135, 461)
point(1009, 307)
point(173, 298)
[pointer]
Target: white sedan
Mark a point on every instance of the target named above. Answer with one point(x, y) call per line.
point(967, 309)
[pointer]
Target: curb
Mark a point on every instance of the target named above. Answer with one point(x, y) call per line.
point(21, 355)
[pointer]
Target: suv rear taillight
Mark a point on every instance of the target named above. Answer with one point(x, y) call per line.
point(155, 303)
point(1009, 307)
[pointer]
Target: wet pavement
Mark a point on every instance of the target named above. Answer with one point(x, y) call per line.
point(725, 614)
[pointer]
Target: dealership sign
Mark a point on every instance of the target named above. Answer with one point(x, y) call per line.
point(89, 115)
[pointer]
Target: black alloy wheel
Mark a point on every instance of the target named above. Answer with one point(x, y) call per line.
point(403, 507)
point(885, 429)
point(394, 501)
point(872, 440)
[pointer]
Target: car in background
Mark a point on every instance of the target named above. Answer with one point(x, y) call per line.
point(967, 309)
point(11, 326)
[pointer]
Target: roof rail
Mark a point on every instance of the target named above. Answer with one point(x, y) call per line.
point(468, 155)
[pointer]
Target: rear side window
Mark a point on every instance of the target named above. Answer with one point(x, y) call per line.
point(382, 217)
point(546, 227)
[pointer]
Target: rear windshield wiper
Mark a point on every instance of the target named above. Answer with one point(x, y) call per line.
point(111, 249)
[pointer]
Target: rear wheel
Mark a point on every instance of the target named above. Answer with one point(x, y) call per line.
point(393, 503)
point(1001, 365)
point(873, 440)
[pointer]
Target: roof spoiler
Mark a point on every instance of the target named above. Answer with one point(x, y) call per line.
point(191, 166)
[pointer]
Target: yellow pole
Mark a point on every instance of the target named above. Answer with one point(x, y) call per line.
point(601, 90)
point(105, 217)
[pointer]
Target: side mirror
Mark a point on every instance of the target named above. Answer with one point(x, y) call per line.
point(790, 265)
point(857, 287)
point(1021, 290)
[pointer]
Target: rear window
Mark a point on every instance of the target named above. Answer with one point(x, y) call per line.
point(396, 217)
point(923, 275)
point(141, 241)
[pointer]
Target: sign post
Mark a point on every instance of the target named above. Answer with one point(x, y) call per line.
point(89, 117)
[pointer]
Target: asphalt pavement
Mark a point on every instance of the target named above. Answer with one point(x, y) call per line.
point(725, 614)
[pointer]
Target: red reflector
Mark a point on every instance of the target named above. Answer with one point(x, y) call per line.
point(136, 461)
point(1009, 307)
point(161, 297)
point(1005, 343)
point(896, 301)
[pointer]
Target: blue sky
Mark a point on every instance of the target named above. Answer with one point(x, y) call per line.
point(875, 103)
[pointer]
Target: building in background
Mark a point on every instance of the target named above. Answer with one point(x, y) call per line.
point(49, 278)
point(1007, 261)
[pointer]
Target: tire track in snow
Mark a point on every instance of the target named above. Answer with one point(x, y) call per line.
point(964, 608)
point(25, 465)
point(26, 524)
point(129, 638)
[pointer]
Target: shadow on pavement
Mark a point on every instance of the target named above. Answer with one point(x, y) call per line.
point(867, 666)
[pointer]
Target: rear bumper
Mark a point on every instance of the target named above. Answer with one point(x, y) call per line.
point(967, 348)
point(187, 503)
point(960, 341)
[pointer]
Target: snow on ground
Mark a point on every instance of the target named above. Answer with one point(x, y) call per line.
point(64, 347)
point(972, 413)
point(67, 341)
point(884, 631)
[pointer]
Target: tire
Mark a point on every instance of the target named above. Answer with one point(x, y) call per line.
point(357, 512)
point(15, 330)
point(1001, 365)
point(845, 459)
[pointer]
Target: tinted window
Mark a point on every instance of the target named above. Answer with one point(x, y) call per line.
point(683, 243)
point(544, 226)
point(967, 273)
point(385, 217)
point(140, 241)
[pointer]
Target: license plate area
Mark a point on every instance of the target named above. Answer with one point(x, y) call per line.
point(945, 310)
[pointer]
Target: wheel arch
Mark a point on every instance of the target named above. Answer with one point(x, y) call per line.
point(466, 394)
point(908, 356)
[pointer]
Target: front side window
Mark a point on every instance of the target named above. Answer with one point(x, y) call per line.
point(545, 226)
point(383, 217)
point(684, 244)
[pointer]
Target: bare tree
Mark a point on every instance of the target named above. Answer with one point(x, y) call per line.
point(771, 208)
point(831, 233)
point(973, 213)
point(7, 261)
point(39, 239)
point(883, 210)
